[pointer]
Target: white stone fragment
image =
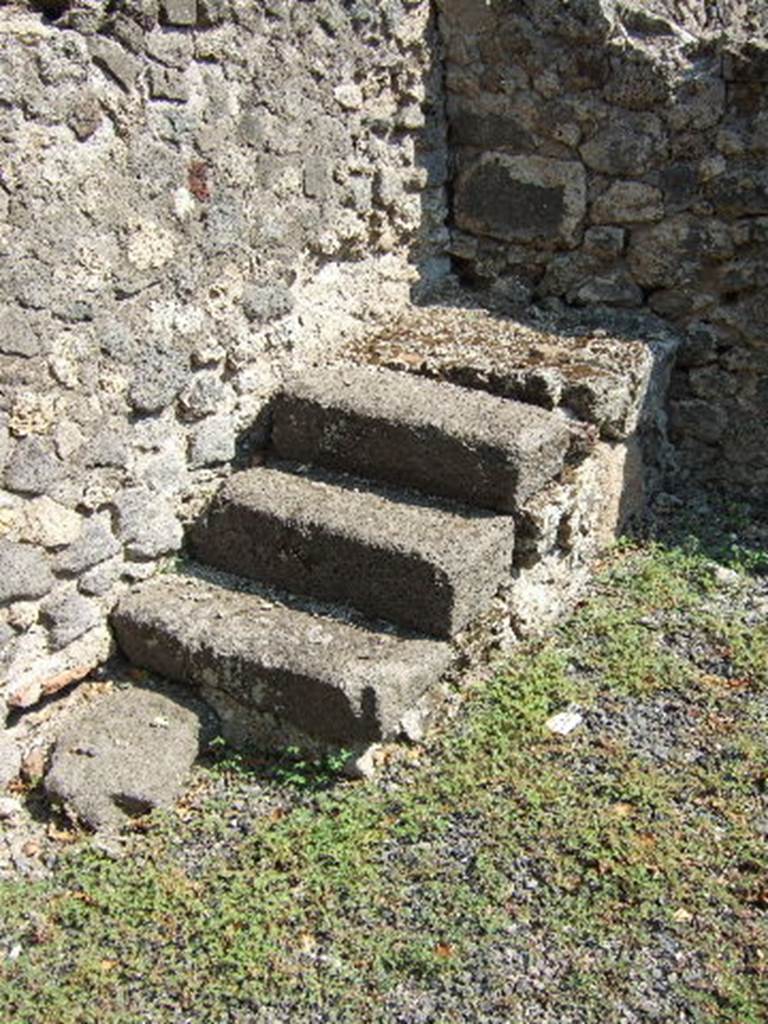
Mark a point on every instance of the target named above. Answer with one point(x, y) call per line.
point(725, 577)
point(9, 807)
point(363, 766)
point(564, 722)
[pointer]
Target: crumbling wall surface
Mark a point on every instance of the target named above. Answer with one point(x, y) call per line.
point(613, 154)
point(193, 195)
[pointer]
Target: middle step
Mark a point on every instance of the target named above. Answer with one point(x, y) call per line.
point(412, 561)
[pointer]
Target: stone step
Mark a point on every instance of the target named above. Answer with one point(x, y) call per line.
point(432, 436)
point(273, 670)
point(392, 555)
point(611, 376)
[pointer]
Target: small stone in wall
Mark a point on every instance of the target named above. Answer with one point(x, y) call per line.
point(699, 346)
point(33, 468)
point(349, 96)
point(93, 545)
point(16, 335)
point(110, 447)
point(10, 807)
point(212, 442)
point(638, 84)
point(149, 245)
point(37, 673)
point(147, 524)
point(7, 633)
point(67, 616)
point(698, 419)
point(49, 524)
point(620, 151)
point(265, 302)
point(747, 62)
point(22, 615)
point(68, 438)
point(174, 49)
point(158, 378)
point(616, 289)
point(4, 442)
point(168, 84)
point(33, 763)
point(211, 12)
point(317, 177)
point(669, 254)
point(628, 202)
point(115, 61)
point(203, 396)
point(166, 471)
point(85, 117)
point(100, 580)
point(24, 572)
point(741, 192)
point(605, 242)
point(31, 413)
point(181, 13)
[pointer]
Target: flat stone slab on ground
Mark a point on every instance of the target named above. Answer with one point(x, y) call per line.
point(126, 755)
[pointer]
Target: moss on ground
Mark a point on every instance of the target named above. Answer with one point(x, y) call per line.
point(500, 873)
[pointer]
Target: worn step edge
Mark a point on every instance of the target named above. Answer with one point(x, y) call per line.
point(419, 564)
point(412, 432)
point(289, 672)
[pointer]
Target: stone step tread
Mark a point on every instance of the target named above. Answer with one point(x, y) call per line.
point(413, 432)
point(330, 677)
point(393, 555)
point(599, 374)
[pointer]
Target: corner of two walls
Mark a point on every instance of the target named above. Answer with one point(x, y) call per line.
point(613, 155)
point(195, 196)
point(198, 194)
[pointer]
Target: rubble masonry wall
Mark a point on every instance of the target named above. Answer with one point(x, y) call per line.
point(613, 154)
point(194, 196)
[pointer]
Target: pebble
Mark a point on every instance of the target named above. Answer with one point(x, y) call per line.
point(726, 577)
point(564, 722)
point(363, 766)
point(10, 760)
point(9, 807)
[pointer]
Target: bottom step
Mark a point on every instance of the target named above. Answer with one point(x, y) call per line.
point(276, 673)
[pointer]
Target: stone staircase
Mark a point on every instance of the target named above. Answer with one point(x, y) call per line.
point(381, 528)
point(395, 522)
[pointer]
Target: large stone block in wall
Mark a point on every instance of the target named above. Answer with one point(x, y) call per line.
point(522, 199)
point(671, 254)
point(471, 125)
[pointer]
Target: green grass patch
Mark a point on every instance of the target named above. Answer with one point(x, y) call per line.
point(507, 847)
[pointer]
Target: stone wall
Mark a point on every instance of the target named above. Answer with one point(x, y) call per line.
point(194, 195)
point(613, 154)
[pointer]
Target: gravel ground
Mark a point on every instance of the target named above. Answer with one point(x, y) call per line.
point(494, 874)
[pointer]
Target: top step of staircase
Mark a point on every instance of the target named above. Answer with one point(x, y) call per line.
point(604, 375)
point(428, 435)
